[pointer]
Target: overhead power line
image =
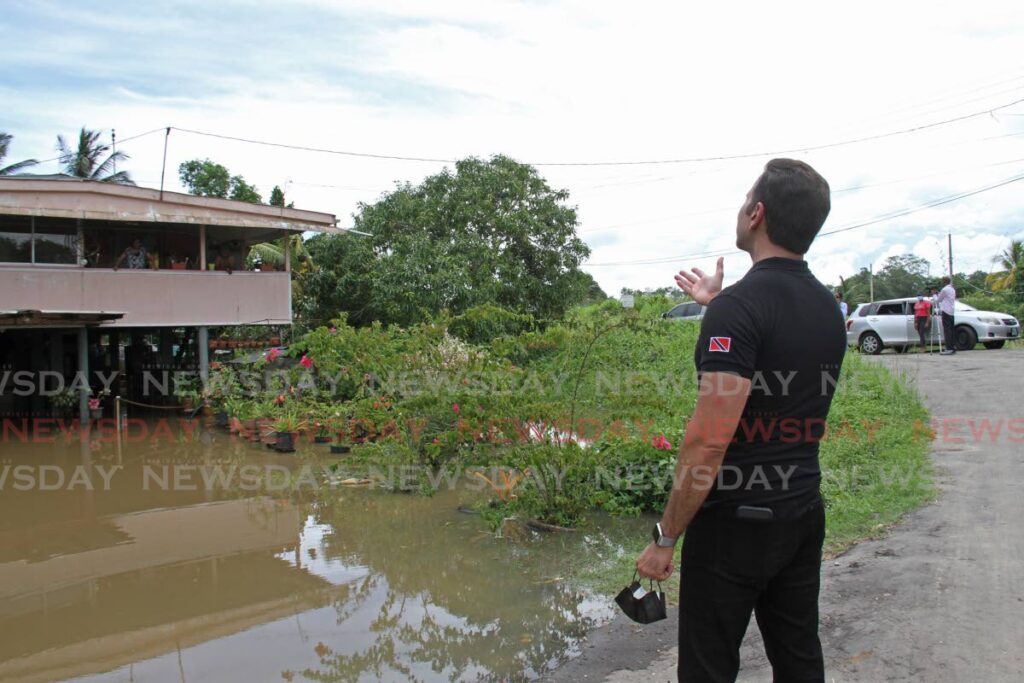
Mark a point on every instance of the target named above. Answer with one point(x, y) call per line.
point(852, 188)
point(122, 141)
point(863, 224)
point(724, 157)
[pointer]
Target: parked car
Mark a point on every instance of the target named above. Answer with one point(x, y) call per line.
point(687, 311)
point(881, 324)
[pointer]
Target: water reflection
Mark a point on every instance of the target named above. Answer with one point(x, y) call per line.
point(161, 583)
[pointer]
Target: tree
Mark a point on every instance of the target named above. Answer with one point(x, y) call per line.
point(901, 276)
point(343, 282)
point(277, 198)
point(668, 292)
point(207, 178)
point(17, 167)
point(488, 232)
point(273, 253)
point(86, 159)
point(1011, 279)
point(592, 292)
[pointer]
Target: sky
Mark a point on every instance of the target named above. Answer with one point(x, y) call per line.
point(575, 87)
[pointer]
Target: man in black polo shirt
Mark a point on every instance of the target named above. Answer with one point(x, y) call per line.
point(747, 480)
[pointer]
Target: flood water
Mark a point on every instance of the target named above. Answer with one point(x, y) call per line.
point(124, 564)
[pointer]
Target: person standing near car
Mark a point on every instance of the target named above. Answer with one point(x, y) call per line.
point(945, 301)
point(842, 305)
point(747, 487)
point(922, 318)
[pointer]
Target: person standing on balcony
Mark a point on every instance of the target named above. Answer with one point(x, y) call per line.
point(135, 255)
point(225, 260)
point(945, 301)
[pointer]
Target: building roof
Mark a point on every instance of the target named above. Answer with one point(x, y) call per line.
point(62, 196)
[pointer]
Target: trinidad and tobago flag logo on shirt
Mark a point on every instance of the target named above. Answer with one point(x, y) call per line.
point(720, 344)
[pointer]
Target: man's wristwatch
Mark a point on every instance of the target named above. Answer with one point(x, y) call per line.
point(661, 540)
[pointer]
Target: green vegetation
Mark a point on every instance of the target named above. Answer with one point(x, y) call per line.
point(86, 159)
point(16, 167)
point(556, 423)
point(486, 232)
point(209, 179)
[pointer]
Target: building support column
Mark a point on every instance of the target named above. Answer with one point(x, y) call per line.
point(203, 342)
point(202, 247)
point(288, 269)
point(83, 369)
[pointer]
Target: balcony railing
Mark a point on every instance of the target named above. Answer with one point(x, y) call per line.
point(150, 298)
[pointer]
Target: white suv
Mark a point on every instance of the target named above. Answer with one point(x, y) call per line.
point(686, 311)
point(874, 326)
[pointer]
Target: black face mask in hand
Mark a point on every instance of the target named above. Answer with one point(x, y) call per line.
point(647, 608)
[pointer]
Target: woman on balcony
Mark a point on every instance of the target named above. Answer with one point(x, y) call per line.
point(135, 255)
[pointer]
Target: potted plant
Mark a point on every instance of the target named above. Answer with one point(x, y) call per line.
point(231, 407)
point(186, 390)
point(64, 402)
point(95, 408)
point(321, 432)
point(287, 428)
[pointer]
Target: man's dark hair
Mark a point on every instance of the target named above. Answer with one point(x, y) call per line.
point(796, 203)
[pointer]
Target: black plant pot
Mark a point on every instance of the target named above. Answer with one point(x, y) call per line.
point(285, 442)
point(339, 449)
point(321, 439)
point(221, 419)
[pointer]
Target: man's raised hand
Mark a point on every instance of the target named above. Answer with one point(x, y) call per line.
point(700, 286)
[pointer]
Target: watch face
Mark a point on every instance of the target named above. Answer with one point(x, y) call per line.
point(656, 534)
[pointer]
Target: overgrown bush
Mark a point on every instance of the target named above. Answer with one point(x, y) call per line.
point(482, 324)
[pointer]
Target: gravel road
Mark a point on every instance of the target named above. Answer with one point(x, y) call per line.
point(939, 599)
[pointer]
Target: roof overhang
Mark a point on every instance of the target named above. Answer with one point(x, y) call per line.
point(31, 318)
point(67, 197)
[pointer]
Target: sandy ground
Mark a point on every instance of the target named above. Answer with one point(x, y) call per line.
point(942, 597)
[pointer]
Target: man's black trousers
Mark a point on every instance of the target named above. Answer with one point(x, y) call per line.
point(732, 567)
point(948, 334)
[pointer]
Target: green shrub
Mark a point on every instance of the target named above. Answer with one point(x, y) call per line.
point(482, 324)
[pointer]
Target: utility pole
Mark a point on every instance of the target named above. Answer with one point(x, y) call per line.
point(871, 281)
point(113, 146)
point(949, 242)
point(163, 168)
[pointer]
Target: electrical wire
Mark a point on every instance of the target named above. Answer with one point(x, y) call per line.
point(122, 140)
point(724, 157)
point(853, 188)
point(863, 224)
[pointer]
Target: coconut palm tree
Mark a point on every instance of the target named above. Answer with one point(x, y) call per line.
point(85, 160)
point(1011, 261)
point(273, 253)
point(5, 141)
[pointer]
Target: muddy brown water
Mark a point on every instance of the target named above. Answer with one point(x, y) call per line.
point(193, 557)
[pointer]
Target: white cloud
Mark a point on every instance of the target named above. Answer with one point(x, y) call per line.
point(575, 81)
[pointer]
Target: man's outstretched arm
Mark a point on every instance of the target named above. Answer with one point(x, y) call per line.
point(720, 402)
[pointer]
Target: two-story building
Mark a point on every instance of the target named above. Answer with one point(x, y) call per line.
point(99, 276)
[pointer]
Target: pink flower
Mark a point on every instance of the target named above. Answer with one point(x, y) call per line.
point(334, 330)
point(272, 354)
point(455, 408)
point(94, 404)
point(661, 443)
point(306, 362)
